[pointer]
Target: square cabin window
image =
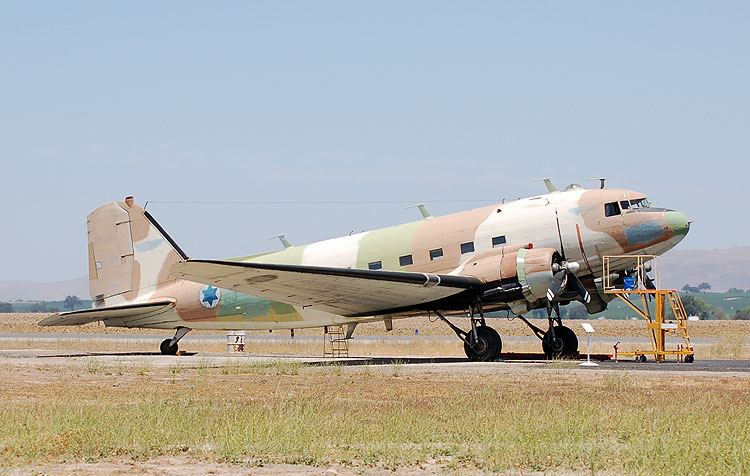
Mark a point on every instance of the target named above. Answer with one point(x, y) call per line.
point(498, 241)
point(405, 260)
point(467, 247)
point(375, 265)
point(436, 254)
point(611, 209)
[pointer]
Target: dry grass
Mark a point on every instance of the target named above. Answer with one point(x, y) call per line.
point(291, 413)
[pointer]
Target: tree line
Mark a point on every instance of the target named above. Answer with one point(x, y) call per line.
point(70, 303)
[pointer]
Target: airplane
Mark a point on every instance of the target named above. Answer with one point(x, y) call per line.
point(534, 253)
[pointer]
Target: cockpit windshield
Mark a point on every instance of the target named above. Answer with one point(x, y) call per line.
point(640, 203)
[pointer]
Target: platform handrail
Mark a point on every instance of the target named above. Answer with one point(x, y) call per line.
point(638, 263)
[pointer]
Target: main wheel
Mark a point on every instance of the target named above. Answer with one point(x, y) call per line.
point(565, 344)
point(488, 346)
point(167, 349)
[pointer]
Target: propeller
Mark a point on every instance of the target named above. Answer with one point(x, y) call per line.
point(648, 282)
point(565, 277)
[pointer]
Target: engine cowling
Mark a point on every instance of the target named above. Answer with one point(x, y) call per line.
point(534, 271)
point(525, 269)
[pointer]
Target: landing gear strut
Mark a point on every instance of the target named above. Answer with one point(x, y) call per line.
point(558, 342)
point(482, 343)
point(169, 346)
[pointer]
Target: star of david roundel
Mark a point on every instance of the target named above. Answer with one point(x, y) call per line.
point(210, 296)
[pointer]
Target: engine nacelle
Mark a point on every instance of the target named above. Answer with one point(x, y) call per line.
point(515, 269)
point(534, 271)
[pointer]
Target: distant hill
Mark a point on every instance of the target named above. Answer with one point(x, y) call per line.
point(722, 269)
point(30, 291)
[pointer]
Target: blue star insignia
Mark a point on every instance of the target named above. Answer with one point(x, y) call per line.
point(209, 295)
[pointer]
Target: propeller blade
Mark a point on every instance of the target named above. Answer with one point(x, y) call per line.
point(648, 282)
point(557, 283)
point(580, 288)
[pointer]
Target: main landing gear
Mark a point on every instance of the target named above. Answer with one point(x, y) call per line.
point(169, 346)
point(558, 342)
point(482, 343)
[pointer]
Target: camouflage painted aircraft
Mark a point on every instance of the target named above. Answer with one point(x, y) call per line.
point(533, 253)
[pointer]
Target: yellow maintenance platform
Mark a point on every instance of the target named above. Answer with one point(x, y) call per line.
point(637, 291)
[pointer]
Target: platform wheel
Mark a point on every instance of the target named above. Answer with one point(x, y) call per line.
point(689, 359)
point(640, 358)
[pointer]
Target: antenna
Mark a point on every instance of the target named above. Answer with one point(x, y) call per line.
point(425, 214)
point(548, 182)
point(282, 238)
point(600, 180)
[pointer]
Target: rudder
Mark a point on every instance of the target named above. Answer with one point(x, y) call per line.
point(129, 254)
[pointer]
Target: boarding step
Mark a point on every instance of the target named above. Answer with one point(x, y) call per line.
point(335, 344)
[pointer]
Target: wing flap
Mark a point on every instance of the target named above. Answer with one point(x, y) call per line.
point(85, 316)
point(343, 291)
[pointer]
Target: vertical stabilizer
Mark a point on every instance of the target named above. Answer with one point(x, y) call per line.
point(129, 254)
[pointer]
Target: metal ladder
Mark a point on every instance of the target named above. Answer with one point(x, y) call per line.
point(335, 344)
point(678, 309)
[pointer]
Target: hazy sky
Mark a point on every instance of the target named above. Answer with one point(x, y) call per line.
point(442, 102)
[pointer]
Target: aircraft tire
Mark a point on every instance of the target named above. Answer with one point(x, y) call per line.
point(499, 343)
point(167, 349)
point(488, 347)
point(566, 344)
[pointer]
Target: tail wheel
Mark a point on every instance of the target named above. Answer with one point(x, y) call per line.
point(167, 349)
point(564, 345)
point(488, 345)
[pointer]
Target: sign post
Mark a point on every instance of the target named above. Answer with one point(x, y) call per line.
point(589, 329)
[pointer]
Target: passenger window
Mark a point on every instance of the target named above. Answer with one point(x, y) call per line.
point(625, 204)
point(467, 247)
point(405, 260)
point(611, 209)
point(436, 254)
point(375, 265)
point(498, 241)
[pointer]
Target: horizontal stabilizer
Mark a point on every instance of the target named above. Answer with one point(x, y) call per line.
point(343, 291)
point(85, 316)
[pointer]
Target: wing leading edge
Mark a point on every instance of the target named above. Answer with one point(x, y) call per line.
point(343, 291)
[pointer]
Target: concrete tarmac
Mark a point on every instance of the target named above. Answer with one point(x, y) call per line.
point(308, 338)
point(409, 364)
point(80, 345)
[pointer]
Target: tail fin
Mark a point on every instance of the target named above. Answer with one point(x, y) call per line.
point(129, 254)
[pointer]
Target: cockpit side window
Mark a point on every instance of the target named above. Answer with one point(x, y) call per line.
point(611, 209)
point(624, 204)
point(640, 203)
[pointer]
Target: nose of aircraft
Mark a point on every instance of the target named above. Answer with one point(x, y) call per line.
point(678, 223)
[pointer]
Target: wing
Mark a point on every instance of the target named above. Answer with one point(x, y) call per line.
point(343, 291)
point(84, 316)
